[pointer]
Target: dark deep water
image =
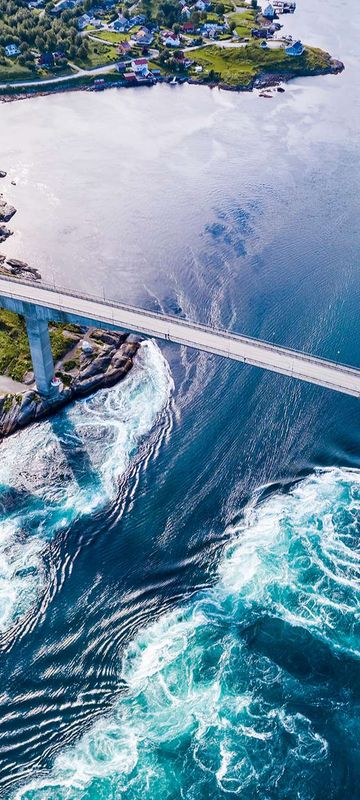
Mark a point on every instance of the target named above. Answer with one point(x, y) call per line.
point(180, 562)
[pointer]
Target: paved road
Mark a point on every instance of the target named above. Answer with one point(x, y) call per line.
point(97, 311)
point(61, 78)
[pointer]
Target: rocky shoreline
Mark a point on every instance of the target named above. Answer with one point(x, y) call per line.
point(99, 360)
point(263, 80)
point(91, 359)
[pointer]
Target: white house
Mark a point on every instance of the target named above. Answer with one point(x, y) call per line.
point(140, 66)
point(171, 39)
point(12, 50)
point(185, 12)
point(200, 5)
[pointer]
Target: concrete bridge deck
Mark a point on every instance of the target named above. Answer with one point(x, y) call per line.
point(42, 303)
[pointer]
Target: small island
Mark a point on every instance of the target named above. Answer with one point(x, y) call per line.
point(48, 46)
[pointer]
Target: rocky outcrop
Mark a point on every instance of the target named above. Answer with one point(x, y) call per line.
point(80, 373)
point(6, 210)
point(4, 233)
point(20, 269)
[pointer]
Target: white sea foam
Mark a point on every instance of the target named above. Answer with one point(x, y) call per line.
point(194, 684)
point(68, 466)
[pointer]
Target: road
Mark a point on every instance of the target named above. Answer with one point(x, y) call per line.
point(90, 310)
point(61, 78)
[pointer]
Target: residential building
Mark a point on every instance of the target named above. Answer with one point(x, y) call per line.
point(12, 50)
point(171, 39)
point(269, 12)
point(121, 25)
point(295, 49)
point(140, 66)
point(260, 33)
point(188, 27)
point(83, 22)
point(143, 37)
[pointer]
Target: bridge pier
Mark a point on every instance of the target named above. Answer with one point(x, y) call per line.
point(41, 355)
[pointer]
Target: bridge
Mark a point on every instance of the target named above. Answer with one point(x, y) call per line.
point(41, 303)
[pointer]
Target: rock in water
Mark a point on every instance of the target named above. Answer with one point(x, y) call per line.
point(4, 233)
point(2, 173)
point(6, 211)
point(20, 267)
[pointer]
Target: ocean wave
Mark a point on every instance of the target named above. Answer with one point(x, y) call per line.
point(69, 466)
point(223, 695)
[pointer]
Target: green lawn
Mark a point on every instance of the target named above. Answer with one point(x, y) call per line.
point(15, 359)
point(13, 71)
point(238, 66)
point(99, 55)
point(112, 36)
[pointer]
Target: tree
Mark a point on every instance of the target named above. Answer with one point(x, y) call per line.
point(254, 4)
point(220, 9)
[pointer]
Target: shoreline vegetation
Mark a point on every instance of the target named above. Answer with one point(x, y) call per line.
point(74, 45)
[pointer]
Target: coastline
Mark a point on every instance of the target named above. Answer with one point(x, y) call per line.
point(108, 359)
point(262, 80)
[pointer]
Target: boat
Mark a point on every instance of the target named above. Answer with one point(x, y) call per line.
point(173, 81)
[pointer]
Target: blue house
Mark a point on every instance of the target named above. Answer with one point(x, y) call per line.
point(295, 49)
point(269, 12)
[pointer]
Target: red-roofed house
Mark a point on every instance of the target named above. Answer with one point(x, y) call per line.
point(188, 27)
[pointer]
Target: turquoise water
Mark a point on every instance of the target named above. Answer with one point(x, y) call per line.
point(210, 707)
point(67, 468)
point(179, 555)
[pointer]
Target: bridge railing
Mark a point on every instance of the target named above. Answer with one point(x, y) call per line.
point(263, 344)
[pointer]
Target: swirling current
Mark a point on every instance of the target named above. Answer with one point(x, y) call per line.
point(179, 554)
point(226, 696)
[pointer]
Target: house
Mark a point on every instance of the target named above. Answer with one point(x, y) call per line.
point(295, 49)
point(124, 48)
point(140, 66)
point(188, 27)
point(137, 20)
point(46, 60)
point(201, 5)
point(212, 29)
point(83, 22)
point(269, 12)
point(62, 4)
point(143, 37)
point(274, 27)
point(171, 39)
point(259, 33)
point(121, 24)
point(12, 50)
point(130, 77)
point(284, 7)
point(185, 12)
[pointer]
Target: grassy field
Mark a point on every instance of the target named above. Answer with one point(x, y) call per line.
point(244, 22)
point(99, 54)
point(12, 71)
point(238, 66)
point(15, 358)
point(112, 36)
